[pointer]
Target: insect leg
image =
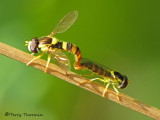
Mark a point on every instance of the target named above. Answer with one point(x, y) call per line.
point(97, 79)
point(117, 92)
point(35, 58)
point(92, 80)
point(49, 58)
point(105, 90)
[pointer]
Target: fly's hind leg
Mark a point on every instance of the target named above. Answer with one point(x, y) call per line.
point(86, 80)
point(35, 58)
point(49, 59)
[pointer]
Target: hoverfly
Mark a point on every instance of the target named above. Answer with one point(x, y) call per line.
point(54, 47)
point(108, 75)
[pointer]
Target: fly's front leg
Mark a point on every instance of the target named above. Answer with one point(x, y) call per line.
point(117, 92)
point(49, 59)
point(35, 58)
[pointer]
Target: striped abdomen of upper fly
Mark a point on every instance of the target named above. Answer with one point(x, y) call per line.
point(71, 48)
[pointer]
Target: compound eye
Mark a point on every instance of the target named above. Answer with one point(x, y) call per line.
point(124, 82)
point(33, 45)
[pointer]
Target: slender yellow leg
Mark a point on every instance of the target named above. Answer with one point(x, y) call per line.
point(49, 58)
point(83, 82)
point(105, 90)
point(92, 80)
point(35, 58)
point(117, 92)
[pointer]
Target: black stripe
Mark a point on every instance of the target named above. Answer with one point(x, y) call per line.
point(117, 74)
point(77, 50)
point(58, 45)
point(108, 74)
point(101, 71)
point(69, 46)
point(84, 65)
point(89, 66)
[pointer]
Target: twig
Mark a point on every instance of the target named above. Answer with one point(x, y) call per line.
point(75, 79)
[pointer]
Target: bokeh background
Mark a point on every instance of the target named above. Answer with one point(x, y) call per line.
point(123, 35)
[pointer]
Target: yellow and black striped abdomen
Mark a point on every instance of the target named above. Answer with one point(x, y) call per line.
point(96, 69)
point(71, 48)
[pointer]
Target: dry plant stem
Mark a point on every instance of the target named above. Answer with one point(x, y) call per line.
point(75, 79)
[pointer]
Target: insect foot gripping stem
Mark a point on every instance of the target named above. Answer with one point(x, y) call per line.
point(117, 93)
point(105, 90)
point(49, 58)
point(67, 74)
point(83, 82)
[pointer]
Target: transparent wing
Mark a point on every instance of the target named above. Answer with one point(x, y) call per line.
point(65, 23)
point(61, 60)
point(90, 62)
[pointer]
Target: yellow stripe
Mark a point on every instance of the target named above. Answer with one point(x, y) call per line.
point(54, 41)
point(78, 56)
point(112, 73)
point(64, 45)
point(74, 49)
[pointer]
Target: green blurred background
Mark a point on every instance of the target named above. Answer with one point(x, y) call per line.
point(121, 34)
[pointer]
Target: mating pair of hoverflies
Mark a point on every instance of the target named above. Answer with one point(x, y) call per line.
point(55, 48)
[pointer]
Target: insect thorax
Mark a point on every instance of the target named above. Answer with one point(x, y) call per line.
point(46, 42)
